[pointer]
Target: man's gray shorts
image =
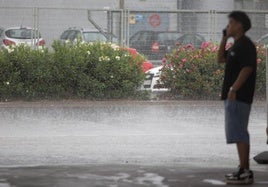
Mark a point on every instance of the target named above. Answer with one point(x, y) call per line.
point(236, 121)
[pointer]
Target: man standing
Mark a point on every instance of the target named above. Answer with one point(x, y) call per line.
point(238, 91)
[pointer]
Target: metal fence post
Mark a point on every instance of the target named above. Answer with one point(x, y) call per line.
point(267, 88)
point(34, 27)
point(109, 25)
point(127, 28)
point(212, 24)
point(121, 23)
point(37, 28)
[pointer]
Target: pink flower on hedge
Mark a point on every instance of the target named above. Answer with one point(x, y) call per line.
point(259, 61)
point(181, 66)
point(196, 56)
point(171, 64)
point(181, 49)
point(187, 70)
point(177, 44)
point(205, 45)
point(184, 60)
point(164, 60)
point(189, 46)
point(215, 48)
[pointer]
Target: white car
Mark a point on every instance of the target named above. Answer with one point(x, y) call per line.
point(86, 35)
point(15, 36)
point(263, 40)
point(152, 80)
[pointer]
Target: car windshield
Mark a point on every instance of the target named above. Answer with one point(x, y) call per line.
point(165, 36)
point(22, 33)
point(94, 36)
point(64, 35)
point(193, 39)
point(263, 40)
point(1, 30)
point(112, 37)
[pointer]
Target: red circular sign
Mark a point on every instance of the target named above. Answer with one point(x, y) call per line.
point(155, 20)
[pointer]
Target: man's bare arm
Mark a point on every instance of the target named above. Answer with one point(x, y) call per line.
point(242, 77)
point(221, 52)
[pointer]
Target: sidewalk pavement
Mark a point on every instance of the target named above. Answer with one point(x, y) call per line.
point(124, 175)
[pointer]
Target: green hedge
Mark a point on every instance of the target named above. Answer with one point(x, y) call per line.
point(82, 70)
point(194, 73)
point(105, 71)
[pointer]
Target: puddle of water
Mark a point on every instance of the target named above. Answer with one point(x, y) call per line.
point(262, 182)
point(147, 178)
point(119, 176)
point(214, 182)
point(151, 178)
point(4, 184)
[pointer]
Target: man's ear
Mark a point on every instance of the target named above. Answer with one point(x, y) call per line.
point(240, 27)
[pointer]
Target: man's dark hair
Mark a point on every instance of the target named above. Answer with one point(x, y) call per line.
point(241, 17)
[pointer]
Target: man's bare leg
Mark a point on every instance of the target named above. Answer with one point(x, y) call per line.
point(243, 153)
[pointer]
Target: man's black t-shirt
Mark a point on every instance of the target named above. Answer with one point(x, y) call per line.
point(242, 54)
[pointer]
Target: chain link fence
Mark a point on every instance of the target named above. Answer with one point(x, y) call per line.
point(152, 33)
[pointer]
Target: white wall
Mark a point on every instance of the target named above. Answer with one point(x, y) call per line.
point(216, 4)
point(208, 4)
point(61, 3)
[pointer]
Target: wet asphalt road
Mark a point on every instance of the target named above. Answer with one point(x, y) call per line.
point(121, 176)
point(103, 136)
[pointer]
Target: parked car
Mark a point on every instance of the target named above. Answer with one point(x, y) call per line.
point(1, 30)
point(152, 80)
point(263, 40)
point(86, 35)
point(194, 39)
point(21, 35)
point(154, 44)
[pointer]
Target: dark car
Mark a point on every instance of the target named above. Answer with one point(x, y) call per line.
point(154, 44)
point(194, 39)
point(263, 40)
